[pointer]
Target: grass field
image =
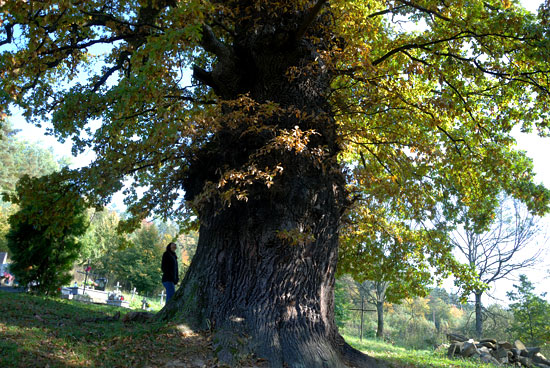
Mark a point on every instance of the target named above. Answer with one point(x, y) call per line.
point(48, 332)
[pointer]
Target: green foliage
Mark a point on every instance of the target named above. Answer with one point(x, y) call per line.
point(102, 237)
point(6, 210)
point(139, 264)
point(420, 322)
point(342, 302)
point(531, 313)
point(497, 321)
point(43, 234)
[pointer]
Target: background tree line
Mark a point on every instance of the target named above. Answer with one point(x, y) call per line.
point(423, 321)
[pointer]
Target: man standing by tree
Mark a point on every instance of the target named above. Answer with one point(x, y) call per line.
point(169, 268)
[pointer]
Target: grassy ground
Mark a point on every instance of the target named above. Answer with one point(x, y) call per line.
point(48, 332)
point(409, 358)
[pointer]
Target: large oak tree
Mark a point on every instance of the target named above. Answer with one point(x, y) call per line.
point(298, 110)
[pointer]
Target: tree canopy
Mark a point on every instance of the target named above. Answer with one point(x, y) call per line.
point(297, 111)
point(425, 94)
point(18, 158)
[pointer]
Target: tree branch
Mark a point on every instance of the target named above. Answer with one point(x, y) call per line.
point(123, 57)
point(9, 34)
point(426, 10)
point(384, 12)
point(203, 76)
point(309, 18)
point(211, 44)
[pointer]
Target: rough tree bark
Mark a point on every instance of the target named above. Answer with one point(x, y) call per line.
point(258, 290)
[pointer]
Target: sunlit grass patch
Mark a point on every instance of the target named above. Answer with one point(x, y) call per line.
point(401, 357)
point(38, 332)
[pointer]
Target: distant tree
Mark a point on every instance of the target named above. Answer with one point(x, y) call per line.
point(440, 309)
point(343, 300)
point(394, 252)
point(132, 259)
point(18, 158)
point(43, 234)
point(376, 293)
point(495, 252)
point(139, 264)
point(531, 313)
point(409, 323)
point(497, 321)
point(102, 237)
point(6, 210)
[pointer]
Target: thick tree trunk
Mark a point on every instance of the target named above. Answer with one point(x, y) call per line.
point(479, 317)
point(260, 293)
point(262, 277)
point(380, 314)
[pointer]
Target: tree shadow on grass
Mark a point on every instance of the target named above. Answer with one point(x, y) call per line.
point(40, 331)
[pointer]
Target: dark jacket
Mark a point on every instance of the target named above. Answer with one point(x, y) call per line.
point(169, 266)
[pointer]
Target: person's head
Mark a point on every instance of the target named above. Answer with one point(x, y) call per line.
point(172, 247)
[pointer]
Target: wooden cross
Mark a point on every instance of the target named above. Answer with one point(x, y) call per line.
point(362, 309)
point(117, 287)
point(133, 293)
point(162, 295)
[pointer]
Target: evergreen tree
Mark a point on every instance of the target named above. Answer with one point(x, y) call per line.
point(43, 233)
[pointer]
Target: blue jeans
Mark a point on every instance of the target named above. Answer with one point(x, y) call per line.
point(170, 289)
